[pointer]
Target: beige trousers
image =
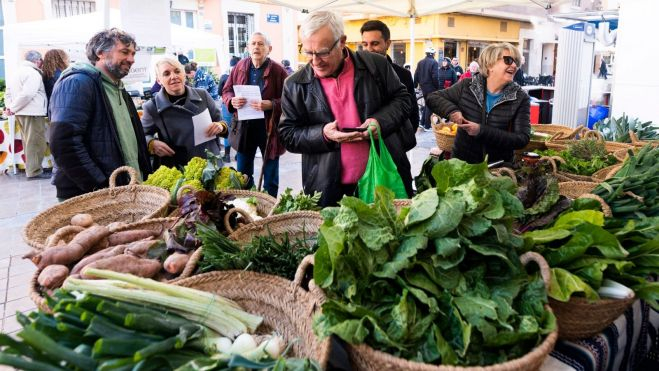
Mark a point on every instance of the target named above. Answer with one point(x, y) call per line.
point(33, 132)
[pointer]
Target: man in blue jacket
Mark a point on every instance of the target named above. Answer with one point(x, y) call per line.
point(426, 77)
point(95, 127)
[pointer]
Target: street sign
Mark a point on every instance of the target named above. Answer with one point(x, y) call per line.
point(273, 18)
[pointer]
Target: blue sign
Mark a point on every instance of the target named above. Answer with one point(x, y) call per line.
point(273, 18)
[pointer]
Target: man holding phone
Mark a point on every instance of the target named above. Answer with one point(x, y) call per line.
point(329, 106)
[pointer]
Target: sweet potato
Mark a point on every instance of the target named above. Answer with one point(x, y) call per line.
point(126, 264)
point(176, 262)
point(73, 251)
point(101, 245)
point(82, 220)
point(53, 276)
point(59, 235)
point(140, 248)
point(103, 254)
point(124, 237)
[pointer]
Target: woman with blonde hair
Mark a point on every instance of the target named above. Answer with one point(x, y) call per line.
point(54, 62)
point(492, 112)
point(167, 118)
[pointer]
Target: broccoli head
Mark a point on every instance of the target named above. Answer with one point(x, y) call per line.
point(194, 168)
point(229, 178)
point(164, 177)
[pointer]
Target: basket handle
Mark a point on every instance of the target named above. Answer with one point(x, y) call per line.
point(593, 134)
point(577, 131)
point(183, 188)
point(634, 137)
point(606, 209)
point(552, 162)
point(227, 216)
point(505, 171)
point(545, 272)
point(131, 172)
point(307, 262)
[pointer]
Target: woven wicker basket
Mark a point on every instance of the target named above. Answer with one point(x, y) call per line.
point(296, 224)
point(366, 358)
point(609, 145)
point(552, 129)
point(606, 173)
point(578, 318)
point(575, 189)
point(37, 292)
point(128, 204)
point(285, 306)
point(444, 140)
point(637, 143)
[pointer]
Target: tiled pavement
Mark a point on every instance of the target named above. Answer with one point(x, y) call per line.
point(20, 200)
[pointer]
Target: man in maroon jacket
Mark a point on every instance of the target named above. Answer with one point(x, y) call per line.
point(248, 135)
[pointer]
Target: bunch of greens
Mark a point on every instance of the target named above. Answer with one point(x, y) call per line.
point(585, 157)
point(87, 331)
point(538, 191)
point(617, 130)
point(439, 282)
point(288, 202)
point(633, 192)
point(264, 254)
point(425, 180)
point(583, 250)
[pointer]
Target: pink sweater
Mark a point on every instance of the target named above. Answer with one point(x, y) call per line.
point(340, 93)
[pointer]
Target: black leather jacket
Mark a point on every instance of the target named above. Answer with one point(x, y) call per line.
point(506, 126)
point(306, 112)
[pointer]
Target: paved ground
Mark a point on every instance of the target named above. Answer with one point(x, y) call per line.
point(20, 200)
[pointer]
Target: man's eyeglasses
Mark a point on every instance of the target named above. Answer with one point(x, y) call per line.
point(509, 60)
point(321, 54)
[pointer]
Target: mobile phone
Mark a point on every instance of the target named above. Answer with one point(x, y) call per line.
point(352, 130)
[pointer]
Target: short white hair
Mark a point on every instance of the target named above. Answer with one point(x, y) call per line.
point(264, 36)
point(319, 19)
point(170, 61)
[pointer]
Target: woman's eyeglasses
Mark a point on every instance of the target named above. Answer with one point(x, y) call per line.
point(321, 54)
point(509, 60)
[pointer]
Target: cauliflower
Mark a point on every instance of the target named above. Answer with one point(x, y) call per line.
point(228, 178)
point(164, 177)
point(194, 168)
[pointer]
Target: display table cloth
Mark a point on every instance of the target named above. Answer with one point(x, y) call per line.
point(7, 148)
point(629, 343)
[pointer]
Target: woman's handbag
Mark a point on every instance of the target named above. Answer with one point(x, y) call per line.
point(380, 171)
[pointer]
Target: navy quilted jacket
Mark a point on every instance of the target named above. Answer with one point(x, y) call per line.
point(83, 133)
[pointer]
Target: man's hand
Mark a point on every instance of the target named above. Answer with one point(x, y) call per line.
point(216, 128)
point(238, 102)
point(331, 132)
point(263, 105)
point(8, 112)
point(372, 125)
point(161, 149)
point(471, 128)
point(456, 117)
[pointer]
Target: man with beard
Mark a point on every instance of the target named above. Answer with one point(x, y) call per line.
point(95, 126)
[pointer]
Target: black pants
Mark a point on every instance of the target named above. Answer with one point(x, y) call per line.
point(425, 119)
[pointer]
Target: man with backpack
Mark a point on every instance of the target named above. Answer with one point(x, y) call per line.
point(330, 105)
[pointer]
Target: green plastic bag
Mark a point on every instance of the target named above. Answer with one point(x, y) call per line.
point(380, 171)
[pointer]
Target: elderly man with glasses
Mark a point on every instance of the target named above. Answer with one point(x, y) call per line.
point(248, 135)
point(329, 105)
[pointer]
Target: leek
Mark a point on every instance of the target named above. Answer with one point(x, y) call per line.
point(219, 314)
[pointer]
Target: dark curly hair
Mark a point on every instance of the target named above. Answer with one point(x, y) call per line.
point(104, 42)
point(53, 60)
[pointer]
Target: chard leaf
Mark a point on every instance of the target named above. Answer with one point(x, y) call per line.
point(489, 250)
point(564, 284)
point(421, 280)
point(449, 262)
point(407, 249)
point(446, 278)
point(459, 332)
point(446, 246)
point(574, 218)
point(574, 248)
point(353, 331)
point(647, 260)
point(541, 236)
point(528, 329)
point(322, 268)
point(400, 318)
point(423, 206)
point(513, 206)
point(375, 237)
point(603, 240)
point(495, 208)
point(346, 219)
point(476, 309)
point(436, 349)
point(474, 225)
